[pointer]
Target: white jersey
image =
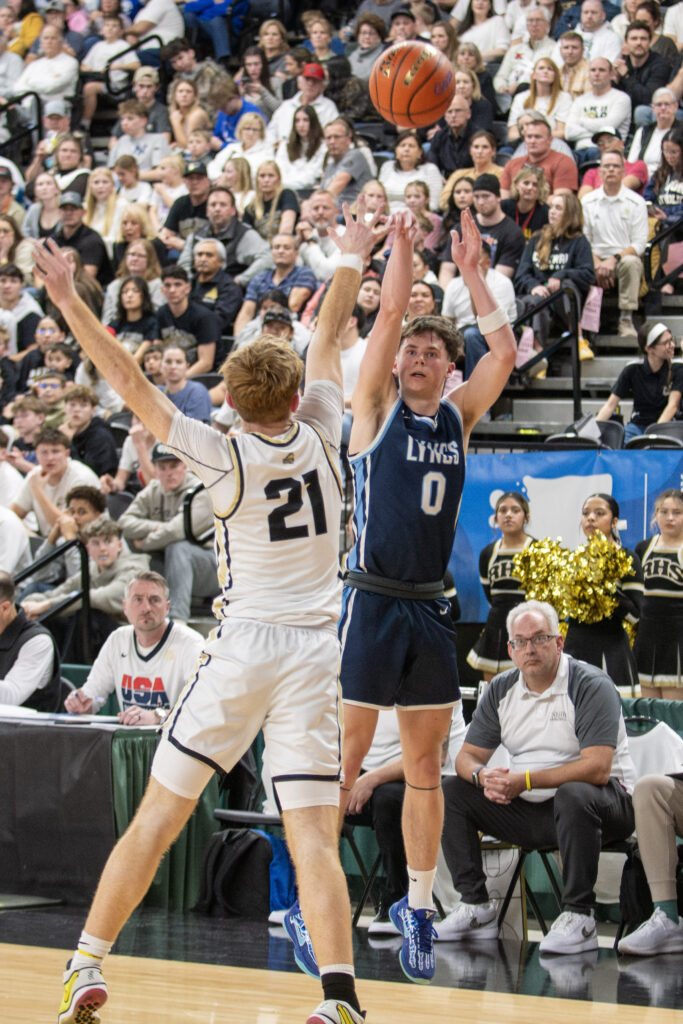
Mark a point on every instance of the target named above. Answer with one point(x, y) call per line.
point(145, 677)
point(277, 507)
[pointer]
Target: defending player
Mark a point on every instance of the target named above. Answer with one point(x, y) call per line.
point(398, 646)
point(272, 661)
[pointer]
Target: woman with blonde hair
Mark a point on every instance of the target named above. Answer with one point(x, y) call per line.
point(135, 223)
point(469, 58)
point(236, 175)
point(301, 158)
point(139, 260)
point(251, 144)
point(527, 204)
point(558, 256)
point(43, 214)
point(274, 210)
point(544, 94)
point(272, 38)
point(481, 111)
point(186, 112)
point(103, 208)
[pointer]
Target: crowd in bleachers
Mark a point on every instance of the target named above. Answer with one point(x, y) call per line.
point(192, 163)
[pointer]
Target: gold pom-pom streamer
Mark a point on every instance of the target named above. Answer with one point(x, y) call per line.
point(579, 584)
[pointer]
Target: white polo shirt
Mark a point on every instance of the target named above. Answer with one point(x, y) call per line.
point(581, 708)
point(613, 223)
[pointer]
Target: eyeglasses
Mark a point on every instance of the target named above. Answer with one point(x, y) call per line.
point(535, 641)
point(47, 384)
point(45, 330)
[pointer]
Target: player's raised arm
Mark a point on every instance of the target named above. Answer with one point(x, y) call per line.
point(323, 361)
point(491, 373)
point(114, 362)
point(375, 389)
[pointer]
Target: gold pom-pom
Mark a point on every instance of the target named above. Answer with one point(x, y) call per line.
point(579, 584)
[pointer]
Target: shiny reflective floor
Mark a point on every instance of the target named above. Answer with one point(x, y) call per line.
point(499, 981)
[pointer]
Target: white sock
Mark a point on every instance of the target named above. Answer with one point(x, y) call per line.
point(420, 889)
point(91, 951)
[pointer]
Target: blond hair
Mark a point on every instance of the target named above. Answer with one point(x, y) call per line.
point(110, 202)
point(262, 379)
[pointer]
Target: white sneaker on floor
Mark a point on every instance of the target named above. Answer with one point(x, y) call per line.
point(570, 933)
point(469, 921)
point(277, 917)
point(626, 327)
point(659, 934)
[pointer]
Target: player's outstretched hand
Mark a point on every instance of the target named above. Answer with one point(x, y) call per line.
point(360, 237)
point(54, 269)
point(466, 247)
point(404, 225)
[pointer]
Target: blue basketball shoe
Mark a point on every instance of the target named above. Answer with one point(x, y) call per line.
point(296, 929)
point(417, 953)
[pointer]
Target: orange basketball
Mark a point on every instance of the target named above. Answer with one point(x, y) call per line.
point(412, 84)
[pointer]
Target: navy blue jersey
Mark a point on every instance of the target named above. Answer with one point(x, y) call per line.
point(407, 490)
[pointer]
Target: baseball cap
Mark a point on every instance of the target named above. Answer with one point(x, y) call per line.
point(54, 5)
point(487, 183)
point(403, 12)
point(606, 130)
point(196, 167)
point(146, 74)
point(71, 199)
point(313, 71)
point(5, 172)
point(160, 453)
point(56, 108)
point(278, 315)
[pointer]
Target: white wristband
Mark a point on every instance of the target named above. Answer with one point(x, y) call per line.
point(492, 321)
point(352, 261)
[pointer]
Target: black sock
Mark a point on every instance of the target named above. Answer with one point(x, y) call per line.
point(341, 988)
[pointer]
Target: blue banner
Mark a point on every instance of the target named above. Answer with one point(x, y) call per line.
point(555, 483)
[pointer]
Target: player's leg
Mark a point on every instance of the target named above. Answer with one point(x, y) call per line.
point(423, 733)
point(359, 729)
point(127, 875)
point(323, 894)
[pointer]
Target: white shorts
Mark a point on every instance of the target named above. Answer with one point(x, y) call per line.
point(252, 676)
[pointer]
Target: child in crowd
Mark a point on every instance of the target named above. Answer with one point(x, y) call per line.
point(62, 358)
point(199, 145)
point(166, 191)
point(50, 388)
point(28, 418)
point(151, 364)
point(48, 331)
point(130, 187)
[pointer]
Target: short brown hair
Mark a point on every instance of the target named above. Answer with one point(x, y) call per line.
point(81, 393)
point(148, 576)
point(133, 107)
point(29, 403)
point(50, 435)
point(451, 336)
point(374, 21)
point(94, 497)
point(262, 379)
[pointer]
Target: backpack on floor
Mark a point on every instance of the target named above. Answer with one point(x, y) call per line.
point(635, 900)
point(246, 873)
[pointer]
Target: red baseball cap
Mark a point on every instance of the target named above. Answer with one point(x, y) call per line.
point(313, 71)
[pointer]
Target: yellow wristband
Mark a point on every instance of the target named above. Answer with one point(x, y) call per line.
point(528, 781)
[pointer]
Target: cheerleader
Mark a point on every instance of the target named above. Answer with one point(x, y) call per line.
point(605, 643)
point(503, 591)
point(658, 648)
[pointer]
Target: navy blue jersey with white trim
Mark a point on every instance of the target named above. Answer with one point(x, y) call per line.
point(407, 491)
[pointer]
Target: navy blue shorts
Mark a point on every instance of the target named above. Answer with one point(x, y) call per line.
point(397, 653)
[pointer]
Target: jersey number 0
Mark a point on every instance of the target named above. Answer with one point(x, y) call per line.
point(293, 488)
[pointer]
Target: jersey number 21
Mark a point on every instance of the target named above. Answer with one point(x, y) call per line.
point(295, 491)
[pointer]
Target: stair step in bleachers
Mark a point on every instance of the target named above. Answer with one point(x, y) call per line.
point(557, 410)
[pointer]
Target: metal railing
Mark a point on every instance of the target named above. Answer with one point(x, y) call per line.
point(656, 242)
point(25, 130)
point(571, 335)
point(83, 594)
point(112, 89)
